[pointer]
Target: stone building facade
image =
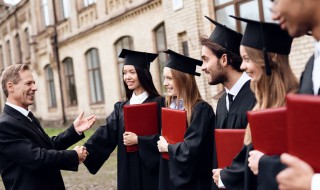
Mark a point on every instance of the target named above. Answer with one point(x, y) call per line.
point(86, 36)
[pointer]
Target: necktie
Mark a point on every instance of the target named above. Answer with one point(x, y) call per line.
point(34, 121)
point(230, 97)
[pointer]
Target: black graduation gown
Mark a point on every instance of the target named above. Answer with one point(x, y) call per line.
point(270, 166)
point(136, 170)
point(190, 161)
point(238, 175)
point(236, 117)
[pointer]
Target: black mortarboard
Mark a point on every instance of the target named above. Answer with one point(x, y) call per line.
point(136, 58)
point(268, 37)
point(226, 37)
point(182, 63)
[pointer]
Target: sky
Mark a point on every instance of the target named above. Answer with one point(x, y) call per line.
point(12, 2)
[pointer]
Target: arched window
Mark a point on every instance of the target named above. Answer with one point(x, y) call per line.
point(94, 76)
point(127, 43)
point(70, 84)
point(50, 87)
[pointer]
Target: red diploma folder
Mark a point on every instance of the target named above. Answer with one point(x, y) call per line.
point(304, 128)
point(141, 119)
point(269, 130)
point(228, 144)
point(174, 126)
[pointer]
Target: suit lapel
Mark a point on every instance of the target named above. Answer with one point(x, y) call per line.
point(306, 84)
point(25, 121)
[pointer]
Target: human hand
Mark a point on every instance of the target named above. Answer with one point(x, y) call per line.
point(254, 158)
point(82, 153)
point(82, 124)
point(216, 175)
point(162, 144)
point(297, 175)
point(130, 138)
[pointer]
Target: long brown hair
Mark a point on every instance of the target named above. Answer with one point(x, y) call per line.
point(189, 94)
point(270, 91)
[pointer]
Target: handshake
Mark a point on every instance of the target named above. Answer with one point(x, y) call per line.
point(82, 153)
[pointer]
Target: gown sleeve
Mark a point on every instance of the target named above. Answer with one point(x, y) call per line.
point(269, 167)
point(102, 143)
point(238, 175)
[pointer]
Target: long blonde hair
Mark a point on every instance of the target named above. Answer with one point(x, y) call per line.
point(189, 94)
point(270, 91)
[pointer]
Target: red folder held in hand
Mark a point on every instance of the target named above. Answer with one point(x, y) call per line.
point(228, 144)
point(269, 130)
point(141, 119)
point(174, 126)
point(304, 128)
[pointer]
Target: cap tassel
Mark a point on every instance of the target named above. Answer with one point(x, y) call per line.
point(265, 53)
point(266, 62)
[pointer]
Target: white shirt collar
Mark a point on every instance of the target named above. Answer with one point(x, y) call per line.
point(237, 87)
point(138, 99)
point(317, 50)
point(19, 109)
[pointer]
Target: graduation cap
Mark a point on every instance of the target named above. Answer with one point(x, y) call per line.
point(226, 37)
point(182, 63)
point(137, 58)
point(268, 37)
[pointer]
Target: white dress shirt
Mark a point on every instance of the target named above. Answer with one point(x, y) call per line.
point(237, 87)
point(19, 109)
point(138, 99)
point(315, 182)
point(316, 69)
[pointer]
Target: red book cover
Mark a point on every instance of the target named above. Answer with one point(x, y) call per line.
point(228, 144)
point(304, 128)
point(174, 126)
point(269, 130)
point(141, 119)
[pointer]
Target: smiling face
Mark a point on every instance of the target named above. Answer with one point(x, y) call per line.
point(250, 67)
point(23, 92)
point(296, 16)
point(168, 82)
point(130, 77)
point(212, 67)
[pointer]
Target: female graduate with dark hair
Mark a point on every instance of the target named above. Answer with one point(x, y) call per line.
point(190, 162)
point(265, 52)
point(136, 170)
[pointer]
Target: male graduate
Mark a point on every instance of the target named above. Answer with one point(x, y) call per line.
point(221, 62)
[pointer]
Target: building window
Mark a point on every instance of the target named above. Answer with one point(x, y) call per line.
point(94, 73)
point(50, 87)
point(183, 39)
point(65, 8)
point(125, 42)
point(259, 10)
point(88, 2)
point(45, 12)
point(18, 49)
point(8, 54)
point(70, 84)
point(26, 38)
point(1, 60)
point(161, 45)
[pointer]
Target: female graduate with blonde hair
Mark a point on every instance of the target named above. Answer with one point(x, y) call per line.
point(190, 161)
